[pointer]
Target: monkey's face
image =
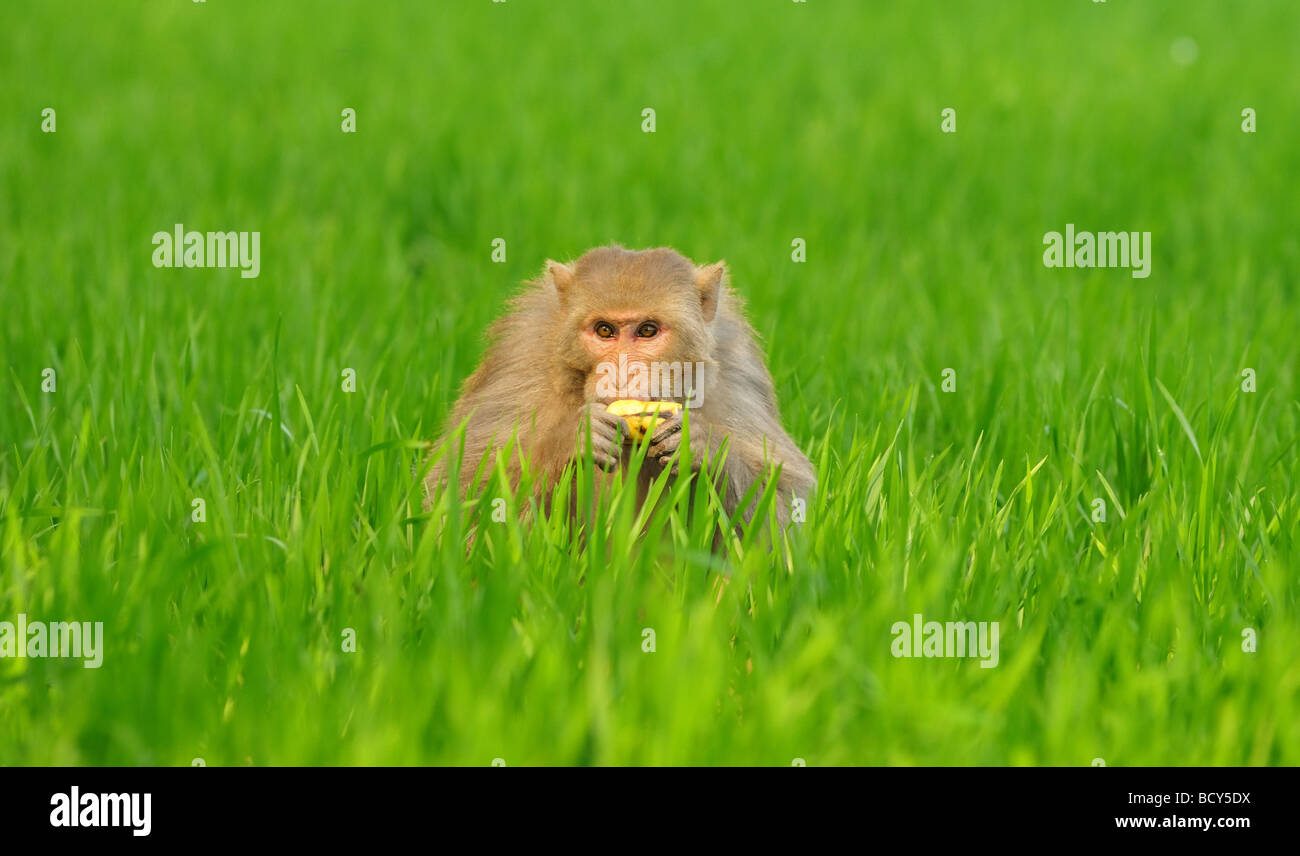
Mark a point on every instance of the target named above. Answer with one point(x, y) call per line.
point(630, 317)
point(623, 347)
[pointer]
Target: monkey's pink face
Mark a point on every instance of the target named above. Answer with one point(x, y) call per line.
point(628, 340)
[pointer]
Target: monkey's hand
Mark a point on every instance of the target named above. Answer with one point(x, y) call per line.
point(666, 442)
point(607, 433)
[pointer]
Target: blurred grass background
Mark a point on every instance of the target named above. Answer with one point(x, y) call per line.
point(775, 120)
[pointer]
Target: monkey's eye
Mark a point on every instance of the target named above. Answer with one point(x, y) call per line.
point(604, 330)
point(648, 330)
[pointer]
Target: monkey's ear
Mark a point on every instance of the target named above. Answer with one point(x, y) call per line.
point(708, 280)
point(561, 276)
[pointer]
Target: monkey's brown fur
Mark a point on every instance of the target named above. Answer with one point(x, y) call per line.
point(539, 374)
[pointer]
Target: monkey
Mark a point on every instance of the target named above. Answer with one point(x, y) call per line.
point(607, 326)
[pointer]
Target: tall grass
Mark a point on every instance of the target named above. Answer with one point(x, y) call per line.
point(1120, 640)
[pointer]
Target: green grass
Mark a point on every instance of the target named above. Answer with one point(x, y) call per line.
point(1119, 640)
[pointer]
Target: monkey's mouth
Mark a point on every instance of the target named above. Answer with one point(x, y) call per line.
point(607, 400)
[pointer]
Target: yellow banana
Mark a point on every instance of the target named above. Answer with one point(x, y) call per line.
point(642, 416)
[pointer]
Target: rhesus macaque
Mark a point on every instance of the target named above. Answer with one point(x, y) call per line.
point(620, 324)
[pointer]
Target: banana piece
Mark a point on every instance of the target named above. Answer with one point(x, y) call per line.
point(642, 416)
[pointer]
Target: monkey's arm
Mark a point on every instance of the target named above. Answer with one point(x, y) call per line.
point(754, 453)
